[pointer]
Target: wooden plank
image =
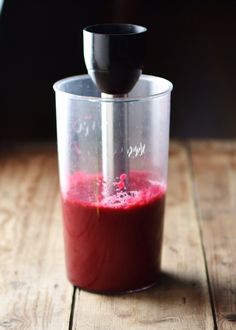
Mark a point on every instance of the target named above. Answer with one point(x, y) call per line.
point(34, 293)
point(181, 299)
point(214, 171)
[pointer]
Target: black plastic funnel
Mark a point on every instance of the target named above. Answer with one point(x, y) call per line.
point(114, 55)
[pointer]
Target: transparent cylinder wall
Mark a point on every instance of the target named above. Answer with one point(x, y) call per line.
point(79, 128)
point(113, 173)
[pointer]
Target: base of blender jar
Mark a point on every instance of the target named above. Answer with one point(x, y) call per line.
point(119, 292)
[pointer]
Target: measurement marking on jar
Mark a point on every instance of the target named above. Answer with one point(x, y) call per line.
point(136, 151)
point(85, 127)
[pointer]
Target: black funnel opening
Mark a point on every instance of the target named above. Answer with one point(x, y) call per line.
point(110, 29)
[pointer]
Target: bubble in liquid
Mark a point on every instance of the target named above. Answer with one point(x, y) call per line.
point(123, 176)
point(120, 185)
point(120, 198)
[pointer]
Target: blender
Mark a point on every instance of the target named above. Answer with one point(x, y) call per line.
point(113, 138)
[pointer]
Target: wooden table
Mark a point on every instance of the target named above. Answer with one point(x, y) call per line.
point(197, 289)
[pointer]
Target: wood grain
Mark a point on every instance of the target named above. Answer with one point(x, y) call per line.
point(33, 291)
point(214, 173)
point(181, 300)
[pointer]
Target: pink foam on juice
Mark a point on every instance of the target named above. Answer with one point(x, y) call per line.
point(113, 243)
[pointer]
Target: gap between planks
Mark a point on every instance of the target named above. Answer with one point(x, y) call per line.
point(189, 152)
point(71, 318)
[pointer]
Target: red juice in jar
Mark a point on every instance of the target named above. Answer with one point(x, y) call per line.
point(113, 243)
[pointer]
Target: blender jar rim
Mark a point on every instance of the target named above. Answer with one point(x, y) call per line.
point(166, 89)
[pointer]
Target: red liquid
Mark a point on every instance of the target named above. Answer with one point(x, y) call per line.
point(113, 244)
